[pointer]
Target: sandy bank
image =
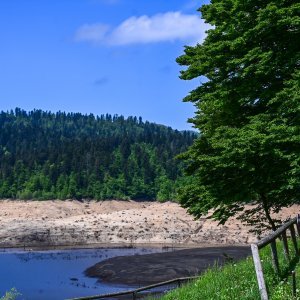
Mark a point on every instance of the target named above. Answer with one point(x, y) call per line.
point(74, 223)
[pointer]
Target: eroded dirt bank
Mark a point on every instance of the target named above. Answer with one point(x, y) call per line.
point(58, 223)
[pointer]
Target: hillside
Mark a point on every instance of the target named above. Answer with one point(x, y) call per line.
point(60, 156)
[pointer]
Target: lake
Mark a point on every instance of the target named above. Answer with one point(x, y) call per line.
point(57, 274)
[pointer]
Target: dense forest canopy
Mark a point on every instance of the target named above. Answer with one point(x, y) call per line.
point(46, 155)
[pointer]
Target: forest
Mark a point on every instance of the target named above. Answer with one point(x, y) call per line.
point(45, 155)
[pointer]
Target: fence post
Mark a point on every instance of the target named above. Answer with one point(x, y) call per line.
point(298, 225)
point(259, 273)
point(293, 235)
point(134, 296)
point(179, 283)
point(274, 256)
point(285, 246)
point(294, 283)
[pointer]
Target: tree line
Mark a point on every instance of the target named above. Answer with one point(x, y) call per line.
point(46, 155)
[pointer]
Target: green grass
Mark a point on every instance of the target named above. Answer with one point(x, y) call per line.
point(238, 280)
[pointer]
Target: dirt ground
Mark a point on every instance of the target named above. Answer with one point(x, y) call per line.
point(121, 223)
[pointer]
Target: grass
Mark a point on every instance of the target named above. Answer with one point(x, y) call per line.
point(238, 280)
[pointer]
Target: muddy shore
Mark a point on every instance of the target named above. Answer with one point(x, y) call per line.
point(157, 267)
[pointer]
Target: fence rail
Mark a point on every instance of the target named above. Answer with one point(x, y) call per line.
point(280, 233)
point(134, 292)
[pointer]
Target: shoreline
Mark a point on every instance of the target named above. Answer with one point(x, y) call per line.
point(117, 246)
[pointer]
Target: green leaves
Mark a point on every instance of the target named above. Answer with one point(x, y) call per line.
point(248, 110)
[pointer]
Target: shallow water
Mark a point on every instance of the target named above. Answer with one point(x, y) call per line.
point(57, 274)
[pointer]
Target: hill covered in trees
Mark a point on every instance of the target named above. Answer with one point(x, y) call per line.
point(46, 155)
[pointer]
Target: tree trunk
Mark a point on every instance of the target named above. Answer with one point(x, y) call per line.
point(266, 209)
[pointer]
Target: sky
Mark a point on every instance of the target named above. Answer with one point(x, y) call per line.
point(99, 56)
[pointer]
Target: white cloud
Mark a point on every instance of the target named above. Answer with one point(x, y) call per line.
point(170, 26)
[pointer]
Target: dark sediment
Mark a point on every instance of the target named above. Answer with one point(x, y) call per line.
point(157, 267)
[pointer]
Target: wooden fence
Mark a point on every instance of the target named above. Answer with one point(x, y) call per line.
point(280, 233)
point(135, 292)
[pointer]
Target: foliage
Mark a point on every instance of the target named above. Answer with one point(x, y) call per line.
point(47, 156)
point(248, 110)
point(238, 281)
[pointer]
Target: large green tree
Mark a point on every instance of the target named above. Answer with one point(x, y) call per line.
point(248, 110)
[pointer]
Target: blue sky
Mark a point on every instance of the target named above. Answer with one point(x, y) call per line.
point(98, 56)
